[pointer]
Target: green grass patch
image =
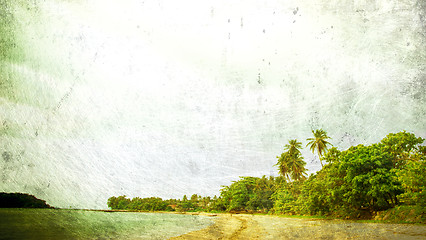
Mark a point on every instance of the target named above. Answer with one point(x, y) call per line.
point(403, 214)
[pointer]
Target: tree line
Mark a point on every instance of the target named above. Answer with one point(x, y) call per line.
point(355, 182)
point(195, 203)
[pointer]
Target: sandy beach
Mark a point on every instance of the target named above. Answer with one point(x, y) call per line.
point(246, 226)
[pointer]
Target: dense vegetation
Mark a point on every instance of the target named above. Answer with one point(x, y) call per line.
point(21, 200)
point(357, 182)
point(195, 203)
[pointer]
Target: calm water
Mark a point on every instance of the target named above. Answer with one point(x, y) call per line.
point(80, 224)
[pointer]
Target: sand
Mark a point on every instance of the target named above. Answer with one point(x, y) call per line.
point(246, 226)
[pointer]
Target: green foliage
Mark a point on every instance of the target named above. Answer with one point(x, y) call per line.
point(293, 147)
point(248, 193)
point(117, 203)
point(237, 195)
point(290, 163)
point(403, 214)
point(196, 203)
point(355, 183)
point(360, 178)
point(316, 195)
point(147, 204)
point(364, 179)
point(187, 205)
point(332, 155)
point(401, 146)
point(413, 180)
point(283, 201)
point(370, 181)
point(140, 204)
point(286, 198)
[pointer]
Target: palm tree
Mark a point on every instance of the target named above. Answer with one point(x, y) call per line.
point(318, 143)
point(293, 146)
point(290, 163)
point(297, 166)
point(282, 166)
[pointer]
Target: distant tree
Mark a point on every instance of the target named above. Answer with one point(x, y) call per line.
point(205, 202)
point(318, 143)
point(140, 204)
point(194, 198)
point(112, 203)
point(122, 202)
point(186, 205)
point(21, 200)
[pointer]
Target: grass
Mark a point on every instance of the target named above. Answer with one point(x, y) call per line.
point(400, 215)
point(403, 214)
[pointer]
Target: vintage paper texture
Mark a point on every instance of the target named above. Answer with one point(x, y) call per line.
point(166, 98)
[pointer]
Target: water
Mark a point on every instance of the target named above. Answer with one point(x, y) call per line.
point(81, 224)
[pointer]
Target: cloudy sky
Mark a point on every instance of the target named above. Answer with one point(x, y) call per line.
point(164, 98)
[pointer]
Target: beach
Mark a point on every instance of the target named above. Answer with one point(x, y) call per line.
point(247, 226)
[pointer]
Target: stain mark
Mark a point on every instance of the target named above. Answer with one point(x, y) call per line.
point(259, 79)
point(67, 94)
point(295, 10)
point(7, 156)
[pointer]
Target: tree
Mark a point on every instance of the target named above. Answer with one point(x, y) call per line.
point(194, 198)
point(369, 178)
point(283, 169)
point(297, 166)
point(413, 181)
point(293, 147)
point(247, 194)
point(290, 163)
point(401, 145)
point(120, 202)
point(318, 143)
point(21, 200)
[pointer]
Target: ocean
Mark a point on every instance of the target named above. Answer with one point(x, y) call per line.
point(85, 224)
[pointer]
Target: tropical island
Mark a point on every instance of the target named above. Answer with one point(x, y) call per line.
point(382, 181)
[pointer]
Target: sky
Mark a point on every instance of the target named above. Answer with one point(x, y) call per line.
point(166, 98)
